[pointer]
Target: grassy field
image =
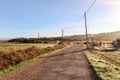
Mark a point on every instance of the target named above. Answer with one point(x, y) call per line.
point(4, 46)
point(106, 64)
point(14, 55)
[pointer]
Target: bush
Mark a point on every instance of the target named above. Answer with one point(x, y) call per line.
point(12, 57)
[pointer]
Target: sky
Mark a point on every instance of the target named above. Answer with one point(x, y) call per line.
point(25, 18)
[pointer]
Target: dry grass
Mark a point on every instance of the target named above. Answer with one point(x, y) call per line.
point(4, 46)
point(13, 56)
point(106, 64)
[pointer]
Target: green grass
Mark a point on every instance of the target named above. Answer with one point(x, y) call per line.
point(105, 64)
point(4, 46)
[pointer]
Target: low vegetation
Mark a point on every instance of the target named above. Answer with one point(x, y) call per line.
point(106, 64)
point(34, 40)
point(11, 57)
point(4, 46)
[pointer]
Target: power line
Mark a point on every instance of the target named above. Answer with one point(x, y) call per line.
point(86, 22)
point(90, 6)
point(74, 23)
point(81, 16)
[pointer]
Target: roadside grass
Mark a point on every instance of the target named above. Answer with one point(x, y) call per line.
point(23, 63)
point(106, 64)
point(46, 51)
point(4, 46)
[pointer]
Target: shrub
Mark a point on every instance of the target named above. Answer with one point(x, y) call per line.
point(12, 57)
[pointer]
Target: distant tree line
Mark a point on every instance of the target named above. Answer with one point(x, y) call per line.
point(35, 40)
point(101, 36)
point(28, 40)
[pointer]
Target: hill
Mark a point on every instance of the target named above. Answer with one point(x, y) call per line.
point(4, 39)
point(101, 36)
point(110, 36)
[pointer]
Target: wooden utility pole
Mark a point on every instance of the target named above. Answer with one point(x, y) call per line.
point(62, 34)
point(86, 29)
point(38, 35)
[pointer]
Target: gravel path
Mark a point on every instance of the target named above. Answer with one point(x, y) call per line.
point(68, 64)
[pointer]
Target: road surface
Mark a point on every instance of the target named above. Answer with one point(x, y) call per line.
point(68, 64)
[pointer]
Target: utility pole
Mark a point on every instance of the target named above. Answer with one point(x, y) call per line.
point(86, 29)
point(38, 35)
point(62, 34)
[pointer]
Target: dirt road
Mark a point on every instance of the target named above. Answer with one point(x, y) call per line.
point(68, 64)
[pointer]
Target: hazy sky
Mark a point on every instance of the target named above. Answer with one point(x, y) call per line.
point(25, 18)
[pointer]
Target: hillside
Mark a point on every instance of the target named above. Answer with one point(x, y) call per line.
point(4, 39)
point(100, 36)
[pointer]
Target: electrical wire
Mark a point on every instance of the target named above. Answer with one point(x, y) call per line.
point(91, 6)
point(81, 17)
point(74, 24)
